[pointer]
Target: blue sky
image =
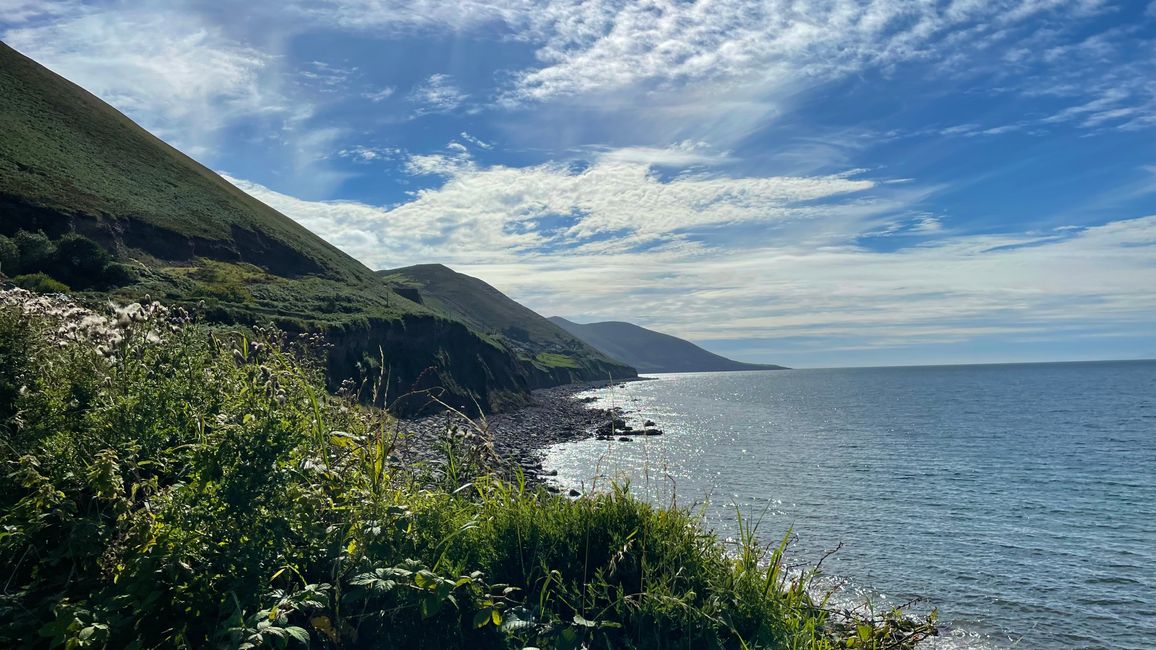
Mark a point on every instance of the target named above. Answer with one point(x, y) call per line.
point(817, 184)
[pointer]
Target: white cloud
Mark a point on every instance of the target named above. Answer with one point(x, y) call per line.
point(178, 75)
point(726, 65)
point(401, 16)
point(364, 154)
point(1108, 101)
point(499, 213)
point(327, 77)
point(728, 258)
point(15, 12)
point(927, 225)
point(477, 142)
point(681, 154)
point(378, 96)
point(596, 46)
point(437, 94)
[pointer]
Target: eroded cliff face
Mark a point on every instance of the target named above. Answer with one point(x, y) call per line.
point(417, 358)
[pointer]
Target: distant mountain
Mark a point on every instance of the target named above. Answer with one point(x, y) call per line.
point(650, 351)
point(91, 200)
point(493, 314)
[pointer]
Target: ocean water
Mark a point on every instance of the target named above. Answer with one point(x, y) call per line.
point(1018, 499)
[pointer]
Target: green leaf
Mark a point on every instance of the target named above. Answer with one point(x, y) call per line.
point(496, 616)
point(430, 605)
point(299, 634)
point(568, 639)
point(582, 621)
point(424, 579)
point(481, 618)
point(609, 624)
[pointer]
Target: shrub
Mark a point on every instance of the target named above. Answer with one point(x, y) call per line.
point(72, 261)
point(117, 274)
point(9, 256)
point(79, 261)
point(36, 251)
point(40, 282)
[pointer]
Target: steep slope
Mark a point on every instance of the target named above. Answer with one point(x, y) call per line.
point(650, 351)
point(67, 153)
point(533, 338)
point(94, 183)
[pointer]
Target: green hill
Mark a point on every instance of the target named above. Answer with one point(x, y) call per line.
point(67, 153)
point(93, 204)
point(512, 325)
point(651, 351)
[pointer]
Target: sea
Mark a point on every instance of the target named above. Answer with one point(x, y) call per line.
point(1018, 500)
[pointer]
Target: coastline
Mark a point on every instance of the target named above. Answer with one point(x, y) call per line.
point(520, 437)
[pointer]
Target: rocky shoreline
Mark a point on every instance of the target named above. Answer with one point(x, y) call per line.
point(519, 438)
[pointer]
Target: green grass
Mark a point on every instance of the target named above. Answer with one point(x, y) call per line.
point(553, 360)
point(495, 316)
point(169, 485)
point(65, 150)
point(69, 161)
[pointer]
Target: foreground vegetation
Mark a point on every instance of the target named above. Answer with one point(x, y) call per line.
point(168, 485)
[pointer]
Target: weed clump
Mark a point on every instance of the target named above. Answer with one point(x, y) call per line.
point(165, 484)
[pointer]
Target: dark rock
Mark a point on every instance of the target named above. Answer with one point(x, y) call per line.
point(518, 438)
point(648, 423)
point(575, 493)
point(624, 439)
point(652, 432)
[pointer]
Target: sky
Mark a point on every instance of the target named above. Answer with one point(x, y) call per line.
point(827, 183)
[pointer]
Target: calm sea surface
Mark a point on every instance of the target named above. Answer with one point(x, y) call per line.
point(1018, 499)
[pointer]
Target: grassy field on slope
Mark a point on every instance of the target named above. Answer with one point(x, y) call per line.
point(69, 161)
point(492, 313)
point(65, 151)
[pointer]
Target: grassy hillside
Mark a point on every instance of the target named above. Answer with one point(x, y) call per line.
point(650, 351)
point(92, 203)
point(66, 152)
point(492, 313)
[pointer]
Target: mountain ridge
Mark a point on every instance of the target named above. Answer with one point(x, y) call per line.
point(650, 351)
point(490, 312)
